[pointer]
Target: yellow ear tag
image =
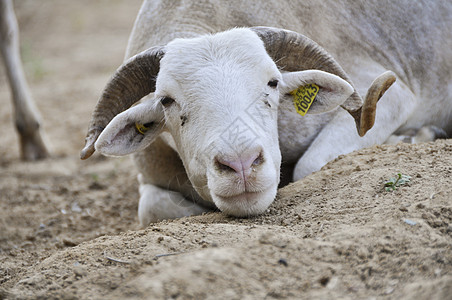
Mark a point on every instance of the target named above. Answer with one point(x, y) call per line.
point(304, 96)
point(141, 128)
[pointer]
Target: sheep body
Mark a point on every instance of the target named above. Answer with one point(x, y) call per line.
point(204, 76)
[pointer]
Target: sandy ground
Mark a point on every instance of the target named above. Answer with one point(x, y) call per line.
point(68, 229)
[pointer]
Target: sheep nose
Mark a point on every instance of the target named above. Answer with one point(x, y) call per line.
point(242, 164)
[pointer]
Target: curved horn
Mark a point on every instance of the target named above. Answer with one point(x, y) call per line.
point(293, 51)
point(131, 82)
point(374, 93)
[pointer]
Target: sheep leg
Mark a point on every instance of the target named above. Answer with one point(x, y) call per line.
point(165, 190)
point(26, 115)
point(340, 137)
point(425, 134)
point(158, 204)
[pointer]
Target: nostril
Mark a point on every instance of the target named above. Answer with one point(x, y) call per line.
point(259, 160)
point(223, 167)
point(228, 166)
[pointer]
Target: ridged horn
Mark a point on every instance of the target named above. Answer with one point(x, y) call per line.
point(293, 51)
point(131, 82)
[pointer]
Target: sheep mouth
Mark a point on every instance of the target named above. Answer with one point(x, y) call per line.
point(250, 197)
point(246, 203)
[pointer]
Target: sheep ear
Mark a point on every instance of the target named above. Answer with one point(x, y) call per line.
point(132, 130)
point(314, 91)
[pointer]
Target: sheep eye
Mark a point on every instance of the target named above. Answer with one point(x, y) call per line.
point(166, 101)
point(273, 83)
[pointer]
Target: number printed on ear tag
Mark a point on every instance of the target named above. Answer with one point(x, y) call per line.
point(304, 96)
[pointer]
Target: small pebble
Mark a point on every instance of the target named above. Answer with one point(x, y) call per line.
point(410, 222)
point(283, 262)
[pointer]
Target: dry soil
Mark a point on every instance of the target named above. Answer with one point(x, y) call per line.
point(68, 229)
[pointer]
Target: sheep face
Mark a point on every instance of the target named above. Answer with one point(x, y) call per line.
point(220, 105)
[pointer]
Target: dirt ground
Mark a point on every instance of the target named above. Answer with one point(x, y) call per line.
point(69, 230)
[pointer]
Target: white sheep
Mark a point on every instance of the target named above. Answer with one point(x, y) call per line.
point(26, 115)
point(219, 114)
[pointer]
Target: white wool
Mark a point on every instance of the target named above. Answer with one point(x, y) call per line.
point(225, 112)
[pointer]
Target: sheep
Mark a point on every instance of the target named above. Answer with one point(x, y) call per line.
point(26, 114)
point(224, 84)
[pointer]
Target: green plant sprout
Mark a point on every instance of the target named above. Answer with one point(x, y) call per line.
point(394, 182)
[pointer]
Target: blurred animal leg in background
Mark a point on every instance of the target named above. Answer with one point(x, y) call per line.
point(413, 136)
point(26, 114)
